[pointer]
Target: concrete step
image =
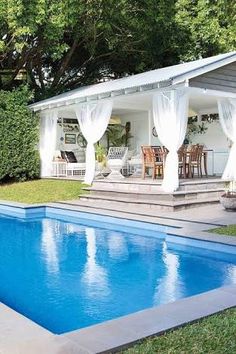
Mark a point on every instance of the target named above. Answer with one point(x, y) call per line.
point(149, 185)
point(155, 195)
point(126, 185)
point(202, 184)
point(121, 201)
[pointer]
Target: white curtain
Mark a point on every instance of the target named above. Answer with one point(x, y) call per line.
point(48, 133)
point(170, 115)
point(227, 115)
point(93, 120)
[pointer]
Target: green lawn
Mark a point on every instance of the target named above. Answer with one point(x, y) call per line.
point(215, 334)
point(225, 230)
point(41, 191)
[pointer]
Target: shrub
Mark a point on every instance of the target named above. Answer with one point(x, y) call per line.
point(19, 134)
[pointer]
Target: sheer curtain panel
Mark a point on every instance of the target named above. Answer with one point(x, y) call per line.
point(170, 115)
point(93, 121)
point(227, 115)
point(48, 132)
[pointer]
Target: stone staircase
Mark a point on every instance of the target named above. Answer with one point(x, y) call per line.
point(147, 194)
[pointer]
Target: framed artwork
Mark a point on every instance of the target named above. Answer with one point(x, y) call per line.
point(154, 132)
point(70, 138)
point(69, 125)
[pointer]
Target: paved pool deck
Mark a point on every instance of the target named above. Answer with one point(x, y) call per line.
point(19, 335)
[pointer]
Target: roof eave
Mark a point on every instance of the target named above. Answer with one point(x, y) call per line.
point(41, 106)
point(190, 74)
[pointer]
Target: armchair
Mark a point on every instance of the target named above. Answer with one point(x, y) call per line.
point(116, 159)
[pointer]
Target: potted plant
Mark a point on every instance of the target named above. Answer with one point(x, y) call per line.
point(101, 155)
point(228, 199)
point(118, 135)
point(194, 128)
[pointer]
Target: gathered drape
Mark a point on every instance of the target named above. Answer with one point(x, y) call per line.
point(93, 120)
point(227, 115)
point(170, 115)
point(48, 133)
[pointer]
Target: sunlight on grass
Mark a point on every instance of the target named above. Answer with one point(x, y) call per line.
point(229, 230)
point(41, 191)
point(215, 334)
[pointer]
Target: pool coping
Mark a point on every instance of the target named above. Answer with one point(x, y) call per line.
point(113, 335)
point(183, 228)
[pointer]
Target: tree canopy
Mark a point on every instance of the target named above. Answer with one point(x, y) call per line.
point(62, 44)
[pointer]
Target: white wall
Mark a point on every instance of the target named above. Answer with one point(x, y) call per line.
point(61, 144)
point(215, 139)
point(139, 130)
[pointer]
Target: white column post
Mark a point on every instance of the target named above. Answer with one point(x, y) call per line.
point(149, 127)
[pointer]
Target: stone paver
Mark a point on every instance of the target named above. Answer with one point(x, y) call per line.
point(211, 214)
point(19, 335)
point(129, 329)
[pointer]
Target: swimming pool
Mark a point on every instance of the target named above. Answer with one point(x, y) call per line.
point(69, 275)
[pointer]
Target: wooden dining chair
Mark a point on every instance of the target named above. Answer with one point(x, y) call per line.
point(182, 155)
point(195, 160)
point(153, 159)
point(160, 159)
point(157, 152)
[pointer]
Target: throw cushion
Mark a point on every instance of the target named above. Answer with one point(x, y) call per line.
point(63, 155)
point(70, 156)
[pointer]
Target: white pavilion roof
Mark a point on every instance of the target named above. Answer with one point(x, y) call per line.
point(164, 77)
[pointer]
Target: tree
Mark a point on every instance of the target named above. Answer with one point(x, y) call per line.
point(209, 25)
point(63, 44)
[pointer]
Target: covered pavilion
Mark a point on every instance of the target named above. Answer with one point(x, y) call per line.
point(163, 96)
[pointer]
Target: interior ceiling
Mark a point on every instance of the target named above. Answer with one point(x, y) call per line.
point(202, 102)
point(143, 102)
point(197, 103)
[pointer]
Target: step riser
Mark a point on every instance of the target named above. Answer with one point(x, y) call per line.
point(127, 204)
point(202, 186)
point(133, 196)
point(128, 187)
point(149, 187)
point(153, 197)
point(149, 207)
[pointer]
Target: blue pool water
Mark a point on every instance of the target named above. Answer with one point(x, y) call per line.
point(67, 276)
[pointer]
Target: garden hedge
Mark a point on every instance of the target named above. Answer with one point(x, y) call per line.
point(19, 134)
